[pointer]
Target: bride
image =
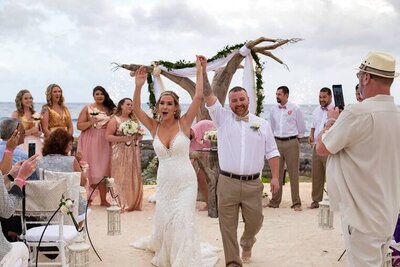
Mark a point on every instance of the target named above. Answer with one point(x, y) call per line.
point(174, 238)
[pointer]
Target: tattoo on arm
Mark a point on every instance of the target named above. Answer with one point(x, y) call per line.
point(207, 91)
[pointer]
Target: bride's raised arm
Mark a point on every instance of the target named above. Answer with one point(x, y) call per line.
point(148, 122)
point(191, 113)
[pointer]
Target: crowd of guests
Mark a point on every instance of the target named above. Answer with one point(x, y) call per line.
point(339, 152)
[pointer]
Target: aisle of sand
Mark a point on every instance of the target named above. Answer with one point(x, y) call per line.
point(287, 238)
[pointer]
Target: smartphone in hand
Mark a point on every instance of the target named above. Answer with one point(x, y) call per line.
point(31, 149)
point(338, 96)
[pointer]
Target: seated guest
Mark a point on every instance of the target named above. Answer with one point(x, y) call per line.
point(55, 158)
point(8, 135)
point(16, 252)
point(197, 142)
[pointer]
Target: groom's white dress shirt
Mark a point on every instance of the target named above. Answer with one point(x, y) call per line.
point(242, 146)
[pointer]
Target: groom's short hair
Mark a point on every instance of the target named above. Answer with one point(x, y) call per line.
point(237, 89)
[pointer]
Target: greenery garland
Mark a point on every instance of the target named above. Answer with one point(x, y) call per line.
point(181, 64)
point(259, 83)
point(152, 98)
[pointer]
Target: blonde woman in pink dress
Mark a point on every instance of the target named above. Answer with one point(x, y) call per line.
point(25, 113)
point(125, 159)
point(95, 149)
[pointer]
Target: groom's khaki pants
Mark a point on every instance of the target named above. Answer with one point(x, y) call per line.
point(232, 195)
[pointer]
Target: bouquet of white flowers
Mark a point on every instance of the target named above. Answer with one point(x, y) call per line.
point(66, 206)
point(210, 135)
point(129, 128)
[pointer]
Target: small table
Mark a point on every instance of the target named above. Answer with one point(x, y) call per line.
point(208, 162)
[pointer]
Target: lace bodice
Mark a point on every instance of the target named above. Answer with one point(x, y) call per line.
point(179, 147)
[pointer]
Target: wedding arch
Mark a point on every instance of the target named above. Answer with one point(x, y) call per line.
point(224, 64)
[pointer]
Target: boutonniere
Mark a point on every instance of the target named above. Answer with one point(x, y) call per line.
point(290, 112)
point(255, 126)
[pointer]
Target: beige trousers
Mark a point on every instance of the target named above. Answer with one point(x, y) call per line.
point(232, 195)
point(318, 176)
point(364, 250)
point(290, 154)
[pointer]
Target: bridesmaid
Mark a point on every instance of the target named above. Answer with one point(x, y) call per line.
point(55, 113)
point(25, 114)
point(96, 150)
point(125, 159)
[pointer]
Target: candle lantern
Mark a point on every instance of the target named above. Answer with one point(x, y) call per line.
point(79, 252)
point(325, 218)
point(114, 219)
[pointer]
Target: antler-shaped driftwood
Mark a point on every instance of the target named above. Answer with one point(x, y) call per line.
point(223, 76)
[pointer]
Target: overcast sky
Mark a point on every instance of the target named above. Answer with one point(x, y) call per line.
point(72, 43)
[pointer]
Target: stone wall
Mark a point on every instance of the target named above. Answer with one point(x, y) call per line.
point(148, 153)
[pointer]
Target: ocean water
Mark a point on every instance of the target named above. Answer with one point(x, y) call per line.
point(6, 108)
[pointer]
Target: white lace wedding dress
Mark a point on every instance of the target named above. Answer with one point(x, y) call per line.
point(174, 239)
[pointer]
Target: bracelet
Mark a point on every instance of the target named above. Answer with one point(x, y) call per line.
point(10, 177)
point(8, 151)
point(22, 182)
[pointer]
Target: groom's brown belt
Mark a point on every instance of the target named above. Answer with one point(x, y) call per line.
point(240, 177)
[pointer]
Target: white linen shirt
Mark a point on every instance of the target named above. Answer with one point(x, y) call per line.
point(242, 149)
point(363, 172)
point(287, 122)
point(319, 117)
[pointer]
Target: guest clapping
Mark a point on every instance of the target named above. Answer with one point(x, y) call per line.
point(11, 137)
point(16, 253)
point(55, 114)
point(95, 149)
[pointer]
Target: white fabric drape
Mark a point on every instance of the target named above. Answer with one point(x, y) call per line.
point(248, 78)
point(191, 72)
point(248, 74)
point(158, 84)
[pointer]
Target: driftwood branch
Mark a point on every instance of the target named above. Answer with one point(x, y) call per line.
point(223, 77)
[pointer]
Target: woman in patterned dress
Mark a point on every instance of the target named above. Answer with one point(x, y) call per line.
point(125, 159)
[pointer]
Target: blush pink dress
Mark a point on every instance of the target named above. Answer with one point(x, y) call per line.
point(95, 148)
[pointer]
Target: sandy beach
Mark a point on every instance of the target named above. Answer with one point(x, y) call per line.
point(287, 238)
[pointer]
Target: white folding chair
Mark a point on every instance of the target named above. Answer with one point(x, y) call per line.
point(42, 199)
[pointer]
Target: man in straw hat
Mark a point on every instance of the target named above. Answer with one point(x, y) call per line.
point(363, 169)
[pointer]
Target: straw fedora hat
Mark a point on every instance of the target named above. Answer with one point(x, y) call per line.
point(380, 64)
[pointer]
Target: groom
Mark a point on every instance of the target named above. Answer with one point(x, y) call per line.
point(244, 140)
